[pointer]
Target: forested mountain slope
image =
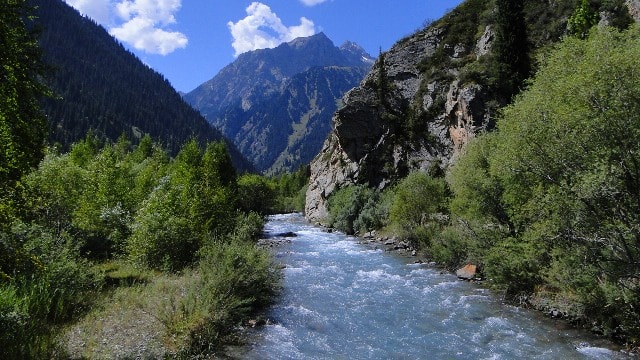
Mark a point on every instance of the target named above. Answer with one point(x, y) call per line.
point(101, 86)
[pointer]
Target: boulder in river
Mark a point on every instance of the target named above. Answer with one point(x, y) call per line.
point(287, 234)
point(468, 272)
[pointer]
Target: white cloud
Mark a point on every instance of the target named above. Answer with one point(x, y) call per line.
point(141, 34)
point(140, 23)
point(262, 28)
point(312, 2)
point(98, 10)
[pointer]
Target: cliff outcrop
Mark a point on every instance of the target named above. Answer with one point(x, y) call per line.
point(427, 97)
point(418, 122)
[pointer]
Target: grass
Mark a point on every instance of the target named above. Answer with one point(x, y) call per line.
point(130, 320)
point(151, 314)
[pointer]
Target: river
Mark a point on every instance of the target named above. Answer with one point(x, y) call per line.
point(345, 300)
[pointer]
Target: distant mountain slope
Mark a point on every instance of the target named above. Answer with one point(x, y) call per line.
point(276, 104)
point(99, 85)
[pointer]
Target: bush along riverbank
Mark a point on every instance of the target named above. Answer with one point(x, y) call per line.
point(547, 206)
point(132, 253)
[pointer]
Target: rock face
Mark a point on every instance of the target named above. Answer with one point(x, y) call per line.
point(276, 104)
point(371, 141)
point(423, 100)
point(634, 9)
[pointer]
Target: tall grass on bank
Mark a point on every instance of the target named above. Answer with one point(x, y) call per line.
point(234, 280)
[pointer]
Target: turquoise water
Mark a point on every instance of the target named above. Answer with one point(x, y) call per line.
point(345, 300)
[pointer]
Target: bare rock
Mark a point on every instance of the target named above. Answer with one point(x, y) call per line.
point(468, 272)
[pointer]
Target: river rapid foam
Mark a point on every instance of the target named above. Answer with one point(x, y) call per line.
point(344, 300)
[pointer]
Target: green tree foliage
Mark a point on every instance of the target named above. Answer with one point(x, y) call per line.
point(291, 189)
point(49, 284)
point(22, 123)
point(582, 20)
point(237, 279)
point(375, 211)
point(54, 191)
point(115, 201)
point(419, 203)
point(216, 198)
point(99, 86)
point(193, 201)
point(256, 193)
point(345, 206)
point(562, 176)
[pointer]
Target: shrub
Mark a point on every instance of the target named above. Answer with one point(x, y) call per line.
point(248, 227)
point(375, 212)
point(236, 279)
point(53, 286)
point(418, 206)
point(345, 206)
point(256, 193)
point(290, 191)
point(162, 236)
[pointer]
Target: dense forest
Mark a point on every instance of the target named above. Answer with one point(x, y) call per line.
point(100, 86)
point(547, 204)
point(109, 221)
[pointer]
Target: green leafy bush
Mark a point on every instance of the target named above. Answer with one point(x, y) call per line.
point(345, 206)
point(290, 190)
point(256, 193)
point(52, 286)
point(558, 180)
point(374, 214)
point(163, 237)
point(236, 279)
point(419, 207)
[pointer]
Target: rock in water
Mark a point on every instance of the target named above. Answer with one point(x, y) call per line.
point(468, 272)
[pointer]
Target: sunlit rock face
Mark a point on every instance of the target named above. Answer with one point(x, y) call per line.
point(400, 119)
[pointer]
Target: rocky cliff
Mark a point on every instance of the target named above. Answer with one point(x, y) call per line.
point(423, 100)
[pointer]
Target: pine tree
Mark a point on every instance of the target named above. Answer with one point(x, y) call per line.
point(511, 47)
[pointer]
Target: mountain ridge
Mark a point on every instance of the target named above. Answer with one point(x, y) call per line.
point(256, 101)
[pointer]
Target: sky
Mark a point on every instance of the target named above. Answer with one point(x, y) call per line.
point(190, 41)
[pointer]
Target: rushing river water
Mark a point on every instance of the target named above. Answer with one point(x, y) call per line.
point(345, 300)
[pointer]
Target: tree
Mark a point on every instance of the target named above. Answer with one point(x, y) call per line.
point(214, 202)
point(417, 199)
point(256, 193)
point(565, 166)
point(582, 20)
point(511, 47)
point(23, 126)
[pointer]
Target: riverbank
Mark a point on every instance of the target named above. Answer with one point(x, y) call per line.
point(345, 299)
point(186, 314)
point(566, 312)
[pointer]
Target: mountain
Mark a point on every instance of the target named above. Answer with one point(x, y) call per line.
point(276, 104)
point(101, 86)
point(431, 93)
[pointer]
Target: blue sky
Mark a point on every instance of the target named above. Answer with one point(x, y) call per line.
point(190, 41)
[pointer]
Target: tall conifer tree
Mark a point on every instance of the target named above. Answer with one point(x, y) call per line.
point(511, 47)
